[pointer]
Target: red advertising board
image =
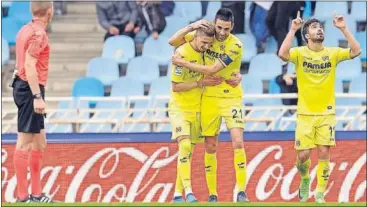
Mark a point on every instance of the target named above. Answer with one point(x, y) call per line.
point(133, 172)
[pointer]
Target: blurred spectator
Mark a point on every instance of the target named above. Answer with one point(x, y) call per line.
point(167, 7)
point(150, 17)
point(288, 84)
point(258, 13)
point(278, 19)
point(238, 9)
point(60, 7)
point(204, 7)
point(4, 11)
point(118, 17)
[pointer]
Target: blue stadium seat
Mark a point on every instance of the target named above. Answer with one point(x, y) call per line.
point(174, 23)
point(359, 10)
point(6, 4)
point(212, 9)
point(143, 69)
point(251, 85)
point(190, 10)
point(158, 49)
point(339, 85)
point(11, 31)
point(325, 10)
point(274, 87)
point(291, 68)
point(358, 84)
point(361, 38)
point(125, 86)
point(249, 46)
point(271, 45)
point(72, 114)
point(104, 69)
point(4, 51)
point(333, 34)
point(21, 11)
point(88, 87)
point(116, 104)
point(266, 66)
point(349, 69)
point(119, 48)
point(160, 87)
point(292, 124)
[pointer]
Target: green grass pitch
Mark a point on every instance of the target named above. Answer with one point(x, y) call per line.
point(192, 204)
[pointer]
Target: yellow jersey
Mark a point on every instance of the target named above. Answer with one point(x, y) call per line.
point(316, 78)
point(187, 100)
point(229, 53)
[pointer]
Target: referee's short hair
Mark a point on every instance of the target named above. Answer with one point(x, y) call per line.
point(39, 8)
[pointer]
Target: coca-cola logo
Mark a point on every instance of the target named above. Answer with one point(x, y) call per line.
point(146, 172)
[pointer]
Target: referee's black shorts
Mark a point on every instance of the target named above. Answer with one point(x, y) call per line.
point(28, 120)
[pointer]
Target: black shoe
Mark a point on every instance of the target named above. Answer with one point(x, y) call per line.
point(27, 200)
point(213, 199)
point(41, 199)
point(242, 197)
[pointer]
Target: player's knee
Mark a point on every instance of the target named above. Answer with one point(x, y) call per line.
point(323, 152)
point(237, 144)
point(185, 145)
point(210, 146)
point(303, 156)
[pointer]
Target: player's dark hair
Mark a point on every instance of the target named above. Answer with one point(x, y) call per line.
point(224, 14)
point(306, 26)
point(208, 31)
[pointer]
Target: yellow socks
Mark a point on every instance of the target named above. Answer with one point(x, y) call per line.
point(184, 165)
point(240, 167)
point(211, 173)
point(304, 168)
point(322, 172)
point(179, 186)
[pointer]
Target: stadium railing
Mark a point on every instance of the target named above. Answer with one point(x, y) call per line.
point(276, 117)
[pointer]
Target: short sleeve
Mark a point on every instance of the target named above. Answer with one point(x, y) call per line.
point(36, 45)
point(232, 53)
point(177, 74)
point(189, 36)
point(343, 54)
point(293, 55)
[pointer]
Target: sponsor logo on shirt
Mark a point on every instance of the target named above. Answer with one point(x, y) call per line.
point(325, 58)
point(221, 47)
point(319, 68)
point(233, 52)
point(178, 70)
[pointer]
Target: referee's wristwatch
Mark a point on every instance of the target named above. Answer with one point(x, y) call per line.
point(37, 96)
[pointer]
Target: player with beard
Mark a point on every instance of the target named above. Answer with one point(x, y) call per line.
point(315, 70)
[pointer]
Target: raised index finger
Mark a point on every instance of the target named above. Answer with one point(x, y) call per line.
point(298, 14)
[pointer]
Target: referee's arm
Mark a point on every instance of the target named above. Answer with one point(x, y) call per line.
point(31, 73)
point(32, 78)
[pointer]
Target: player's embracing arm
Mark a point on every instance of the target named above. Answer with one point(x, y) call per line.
point(285, 51)
point(231, 54)
point(179, 37)
point(355, 49)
